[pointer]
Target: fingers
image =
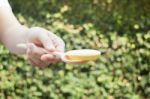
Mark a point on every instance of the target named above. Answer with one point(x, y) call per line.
point(36, 51)
point(47, 39)
point(47, 42)
point(34, 54)
point(52, 42)
point(38, 56)
point(59, 44)
point(49, 58)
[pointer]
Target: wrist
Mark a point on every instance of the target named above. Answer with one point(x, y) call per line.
point(13, 36)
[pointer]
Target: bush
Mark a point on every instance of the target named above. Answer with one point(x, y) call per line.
point(119, 29)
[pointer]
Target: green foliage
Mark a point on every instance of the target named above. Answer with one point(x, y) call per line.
point(118, 28)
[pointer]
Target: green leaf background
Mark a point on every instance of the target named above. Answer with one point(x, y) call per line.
point(120, 29)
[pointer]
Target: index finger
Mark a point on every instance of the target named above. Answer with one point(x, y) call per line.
point(59, 44)
point(47, 42)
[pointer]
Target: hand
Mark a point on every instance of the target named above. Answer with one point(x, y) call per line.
point(42, 44)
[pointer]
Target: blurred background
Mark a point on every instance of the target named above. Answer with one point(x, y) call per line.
point(118, 28)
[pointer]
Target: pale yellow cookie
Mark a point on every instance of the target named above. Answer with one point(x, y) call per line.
point(84, 54)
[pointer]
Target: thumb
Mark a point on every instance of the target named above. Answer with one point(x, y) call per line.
point(47, 42)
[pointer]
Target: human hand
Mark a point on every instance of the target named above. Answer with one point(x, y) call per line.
point(41, 44)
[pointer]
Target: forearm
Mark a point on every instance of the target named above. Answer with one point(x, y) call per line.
point(12, 32)
point(7, 17)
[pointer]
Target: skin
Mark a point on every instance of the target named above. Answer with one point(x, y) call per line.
point(41, 43)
